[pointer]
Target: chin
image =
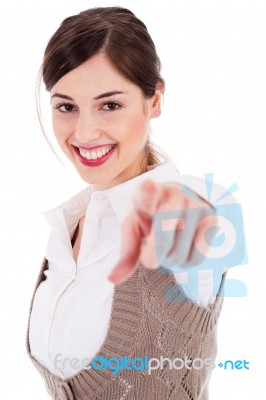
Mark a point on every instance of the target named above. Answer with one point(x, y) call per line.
point(93, 179)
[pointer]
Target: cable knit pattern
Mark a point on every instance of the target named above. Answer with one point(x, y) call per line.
point(147, 318)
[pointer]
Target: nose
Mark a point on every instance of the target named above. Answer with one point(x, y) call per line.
point(87, 129)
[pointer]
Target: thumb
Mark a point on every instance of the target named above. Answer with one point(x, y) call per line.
point(136, 228)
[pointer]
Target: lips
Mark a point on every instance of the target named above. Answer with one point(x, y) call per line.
point(94, 162)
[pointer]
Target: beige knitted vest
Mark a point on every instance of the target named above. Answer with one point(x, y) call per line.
point(144, 322)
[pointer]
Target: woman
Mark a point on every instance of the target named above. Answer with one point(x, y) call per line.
point(105, 289)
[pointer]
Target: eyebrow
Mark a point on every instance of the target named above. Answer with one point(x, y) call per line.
point(100, 96)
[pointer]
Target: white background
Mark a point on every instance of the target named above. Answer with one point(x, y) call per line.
point(214, 62)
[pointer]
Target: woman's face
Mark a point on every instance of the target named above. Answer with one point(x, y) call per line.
point(101, 122)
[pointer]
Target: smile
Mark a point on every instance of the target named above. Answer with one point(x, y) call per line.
point(95, 157)
point(96, 154)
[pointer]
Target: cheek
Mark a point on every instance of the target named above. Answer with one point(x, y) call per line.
point(133, 129)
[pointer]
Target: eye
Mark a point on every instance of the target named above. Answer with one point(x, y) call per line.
point(112, 105)
point(64, 107)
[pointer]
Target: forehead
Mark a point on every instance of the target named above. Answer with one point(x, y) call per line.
point(94, 76)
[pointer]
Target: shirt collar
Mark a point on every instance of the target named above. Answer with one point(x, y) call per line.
point(120, 197)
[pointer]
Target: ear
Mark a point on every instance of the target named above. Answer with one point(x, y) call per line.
point(156, 101)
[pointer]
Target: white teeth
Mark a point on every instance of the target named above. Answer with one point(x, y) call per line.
point(93, 155)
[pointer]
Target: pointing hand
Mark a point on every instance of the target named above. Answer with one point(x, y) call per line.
point(138, 241)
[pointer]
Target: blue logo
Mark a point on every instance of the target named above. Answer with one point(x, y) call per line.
point(221, 245)
point(238, 364)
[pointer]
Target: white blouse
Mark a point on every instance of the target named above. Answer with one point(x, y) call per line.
point(72, 306)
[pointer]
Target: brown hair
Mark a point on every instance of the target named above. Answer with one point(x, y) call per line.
point(125, 41)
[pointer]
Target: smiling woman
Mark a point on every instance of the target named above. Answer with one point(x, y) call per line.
point(103, 75)
point(139, 68)
point(115, 122)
